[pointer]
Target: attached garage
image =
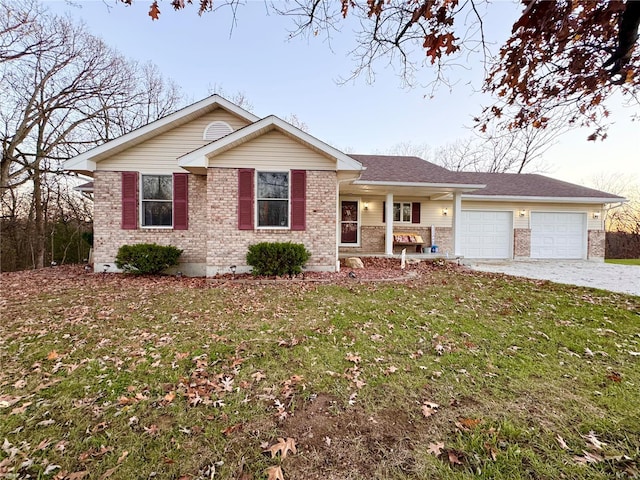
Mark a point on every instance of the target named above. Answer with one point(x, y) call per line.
point(486, 234)
point(558, 235)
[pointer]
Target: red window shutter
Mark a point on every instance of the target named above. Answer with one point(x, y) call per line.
point(245, 199)
point(415, 212)
point(129, 200)
point(180, 201)
point(298, 199)
point(384, 212)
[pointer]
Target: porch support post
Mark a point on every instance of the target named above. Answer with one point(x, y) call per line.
point(388, 237)
point(457, 227)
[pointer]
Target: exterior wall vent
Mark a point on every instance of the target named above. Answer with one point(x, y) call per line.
point(216, 130)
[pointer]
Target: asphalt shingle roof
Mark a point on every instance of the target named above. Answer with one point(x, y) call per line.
point(390, 168)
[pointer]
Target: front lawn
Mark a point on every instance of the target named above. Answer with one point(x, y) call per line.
point(450, 374)
point(623, 261)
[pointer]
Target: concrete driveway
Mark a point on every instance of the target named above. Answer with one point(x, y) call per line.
point(606, 276)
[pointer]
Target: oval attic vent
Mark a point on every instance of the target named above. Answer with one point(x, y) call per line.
point(216, 130)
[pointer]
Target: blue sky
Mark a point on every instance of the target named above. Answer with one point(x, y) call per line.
point(300, 76)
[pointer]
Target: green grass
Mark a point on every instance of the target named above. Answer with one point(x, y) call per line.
point(126, 378)
point(623, 261)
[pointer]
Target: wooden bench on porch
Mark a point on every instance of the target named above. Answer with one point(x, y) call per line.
point(408, 239)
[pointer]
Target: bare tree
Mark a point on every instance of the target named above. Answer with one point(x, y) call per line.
point(623, 217)
point(240, 98)
point(66, 92)
point(18, 20)
point(410, 149)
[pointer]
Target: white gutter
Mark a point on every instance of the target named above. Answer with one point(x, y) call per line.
point(502, 198)
point(470, 186)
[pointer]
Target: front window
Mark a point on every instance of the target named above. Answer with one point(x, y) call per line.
point(157, 200)
point(402, 212)
point(273, 199)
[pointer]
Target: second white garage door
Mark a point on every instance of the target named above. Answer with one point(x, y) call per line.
point(486, 234)
point(558, 235)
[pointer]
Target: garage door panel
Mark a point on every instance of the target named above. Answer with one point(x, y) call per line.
point(558, 235)
point(486, 234)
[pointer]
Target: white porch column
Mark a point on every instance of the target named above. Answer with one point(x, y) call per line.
point(388, 215)
point(457, 218)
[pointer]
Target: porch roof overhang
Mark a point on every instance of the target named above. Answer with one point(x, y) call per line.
point(420, 189)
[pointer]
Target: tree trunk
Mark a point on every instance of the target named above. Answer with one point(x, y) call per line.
point(39, 240)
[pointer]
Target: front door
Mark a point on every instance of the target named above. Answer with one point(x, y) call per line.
point(349, 222)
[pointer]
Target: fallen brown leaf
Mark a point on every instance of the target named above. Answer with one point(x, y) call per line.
point(283, 447)
point(436, 448)
point(454, 457)
point(108, 473)
point(562, 443)
point(429, 408)
point(274, 473)
point(77, 475)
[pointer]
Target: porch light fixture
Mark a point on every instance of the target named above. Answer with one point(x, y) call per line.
point(366, 205)
point(445, 211)
point(596, 215)
point(523, 212)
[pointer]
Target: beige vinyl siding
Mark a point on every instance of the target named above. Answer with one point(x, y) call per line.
point(160, 154)
point(274, 151)
point(430, 212)
point(523, 222)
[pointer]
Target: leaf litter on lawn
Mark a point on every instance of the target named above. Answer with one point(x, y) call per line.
point(84, 354)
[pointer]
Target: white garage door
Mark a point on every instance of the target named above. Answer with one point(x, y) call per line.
point(558, 235)
point(486, 234)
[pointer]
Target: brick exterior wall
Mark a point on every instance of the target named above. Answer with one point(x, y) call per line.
point(444, 240)
point(372, 240)
point(226, 245)
point(522, 242)
point(108, 235)
point(595, 244)
point(213, 242)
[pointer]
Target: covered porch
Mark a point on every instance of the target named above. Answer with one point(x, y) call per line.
point(383, 218)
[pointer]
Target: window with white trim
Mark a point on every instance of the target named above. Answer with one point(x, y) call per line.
point(402, 212)
point(157, 200)
point(273, 199)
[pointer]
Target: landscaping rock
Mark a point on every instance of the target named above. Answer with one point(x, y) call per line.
point(353, 262)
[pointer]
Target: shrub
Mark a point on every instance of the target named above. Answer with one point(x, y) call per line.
point(277, 258)
point(147, 258)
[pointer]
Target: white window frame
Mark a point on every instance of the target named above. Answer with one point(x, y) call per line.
point(141, 200)
point(402, 204)
point(360, 210)
point(258, 199)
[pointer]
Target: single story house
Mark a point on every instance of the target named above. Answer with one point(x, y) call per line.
point(213, 179)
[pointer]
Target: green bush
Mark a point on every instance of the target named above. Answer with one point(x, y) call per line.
point(277, 258)
point(147, 258)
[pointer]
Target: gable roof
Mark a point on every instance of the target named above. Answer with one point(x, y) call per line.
point(86, 162)
point(199, 158)
point(532, 186)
